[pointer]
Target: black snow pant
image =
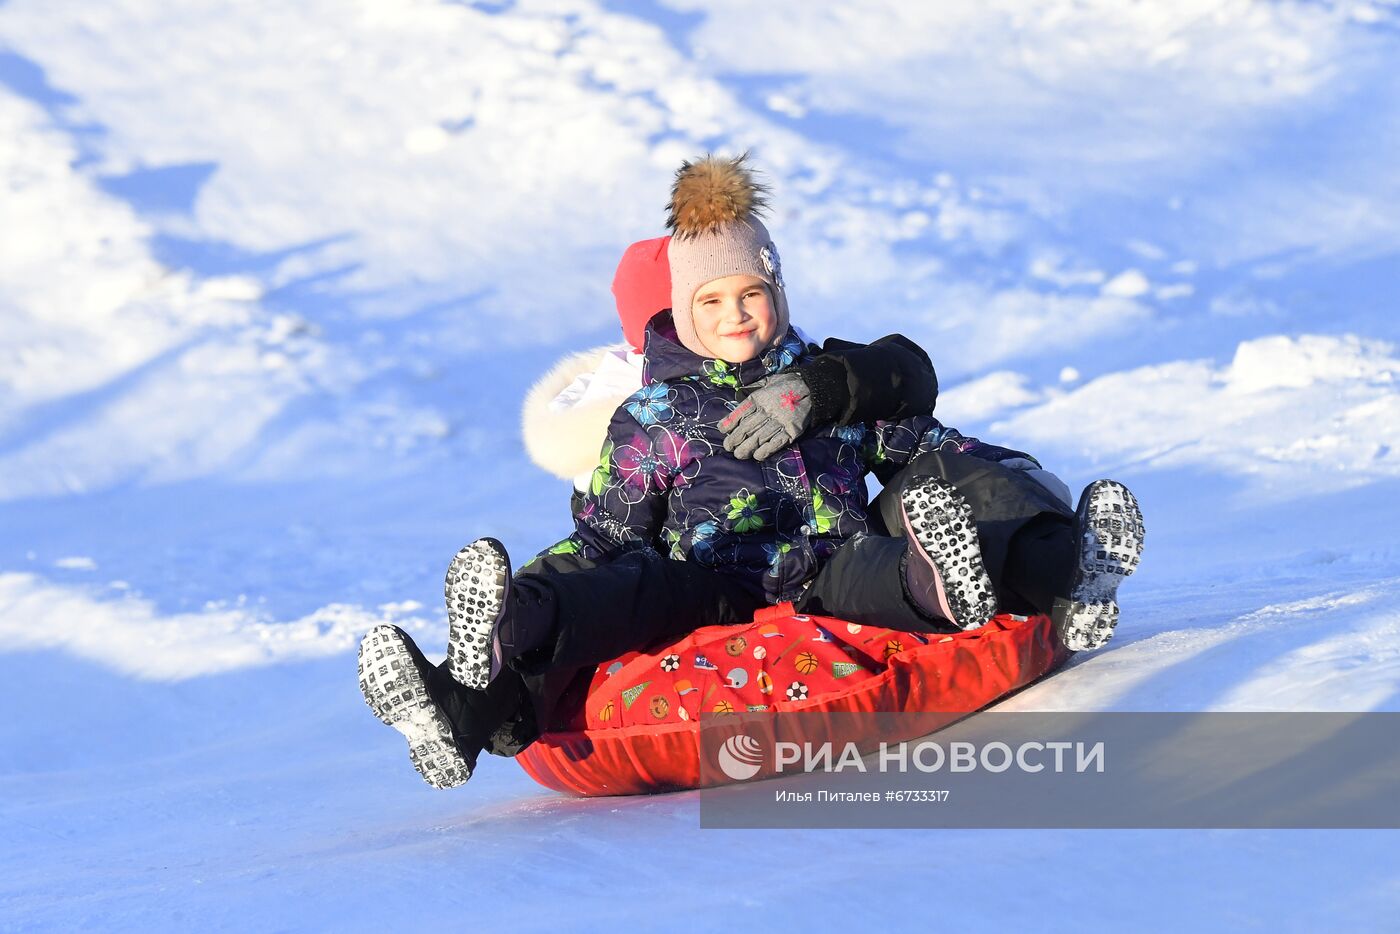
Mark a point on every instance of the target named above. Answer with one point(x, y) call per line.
point(643, 598)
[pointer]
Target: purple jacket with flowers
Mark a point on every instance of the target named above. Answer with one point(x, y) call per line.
point(664, 479)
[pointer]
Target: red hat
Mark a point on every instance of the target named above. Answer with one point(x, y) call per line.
point(642, 287)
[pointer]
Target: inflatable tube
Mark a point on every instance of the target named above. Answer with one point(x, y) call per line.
point(641, 717)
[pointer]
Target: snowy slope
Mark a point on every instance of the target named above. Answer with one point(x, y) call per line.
point(274, 279)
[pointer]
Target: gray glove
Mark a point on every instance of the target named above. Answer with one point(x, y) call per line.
point(774, 415)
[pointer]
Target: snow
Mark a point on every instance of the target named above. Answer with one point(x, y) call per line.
point(1289, 413)
point(979, 399)
point(84, 301)
point(130, 636)
point(275, 278)
point(1130, 283)
point(76, 563)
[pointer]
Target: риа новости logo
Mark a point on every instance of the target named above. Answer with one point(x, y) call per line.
point(740, 757)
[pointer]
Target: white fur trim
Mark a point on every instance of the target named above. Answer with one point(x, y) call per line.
point(566, 439)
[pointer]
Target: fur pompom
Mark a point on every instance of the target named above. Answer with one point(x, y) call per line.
point(712, 192)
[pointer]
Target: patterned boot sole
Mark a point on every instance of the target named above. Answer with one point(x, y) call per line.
point(942, 528)
point(1109, 523)
point(396, 693)
point(477, 584)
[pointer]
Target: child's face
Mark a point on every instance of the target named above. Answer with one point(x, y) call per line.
point(734, 317)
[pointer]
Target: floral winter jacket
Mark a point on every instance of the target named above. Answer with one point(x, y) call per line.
point(664, 479)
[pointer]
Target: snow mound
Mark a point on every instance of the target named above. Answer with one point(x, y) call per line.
point(385, 120)
point(1295, 415)
point(379, 182)
point(83, 301)
point(129, 634)
point(113, 367)
point(979, 399)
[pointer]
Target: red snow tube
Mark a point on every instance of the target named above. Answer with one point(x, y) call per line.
point(641, 730)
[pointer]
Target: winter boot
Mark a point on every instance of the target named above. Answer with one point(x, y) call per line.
point(398, 684)
point(1109, 531)
point(943, 573)
point(478, 585)
point(492, 618)
point(447, 726)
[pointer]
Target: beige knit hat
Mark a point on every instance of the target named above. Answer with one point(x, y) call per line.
point(715, 232)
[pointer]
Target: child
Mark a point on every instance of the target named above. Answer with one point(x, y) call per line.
point(567, 412)
point(740, 534)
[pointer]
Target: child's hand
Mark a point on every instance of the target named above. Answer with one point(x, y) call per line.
point(772, 417)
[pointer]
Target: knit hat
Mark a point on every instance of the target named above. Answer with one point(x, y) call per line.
point(715, 232)
point(642, 287)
